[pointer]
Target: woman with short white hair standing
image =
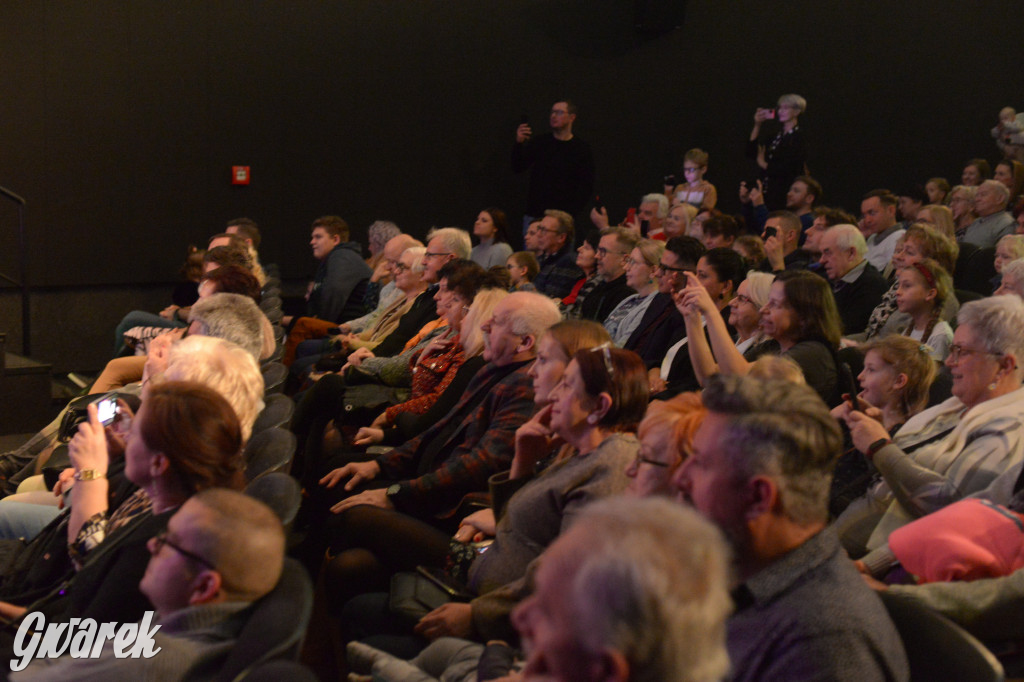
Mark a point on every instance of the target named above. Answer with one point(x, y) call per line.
point(783, 157)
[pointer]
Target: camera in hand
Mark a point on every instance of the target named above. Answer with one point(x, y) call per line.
point(77, 412)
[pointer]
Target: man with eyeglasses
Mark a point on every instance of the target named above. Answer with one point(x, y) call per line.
point(445, 245)
point(561, 165)
point(614, 248)
point(558, 270)
point(221, 552)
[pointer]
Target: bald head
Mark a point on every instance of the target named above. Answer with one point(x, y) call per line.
point(396, 245)
point(238, 535)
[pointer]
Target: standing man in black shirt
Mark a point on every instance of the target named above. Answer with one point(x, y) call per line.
point(562, 176)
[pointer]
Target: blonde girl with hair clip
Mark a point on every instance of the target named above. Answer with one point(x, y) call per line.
point(922, 289)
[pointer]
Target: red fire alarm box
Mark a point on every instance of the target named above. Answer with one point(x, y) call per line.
point(240, 175)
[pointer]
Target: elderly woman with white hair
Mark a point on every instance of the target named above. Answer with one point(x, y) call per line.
point(959, 447)
point(225, 367)
point(745, 318)
point(1012, 279)
point(783, 157)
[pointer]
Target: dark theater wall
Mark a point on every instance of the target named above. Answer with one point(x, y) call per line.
point(120, 119)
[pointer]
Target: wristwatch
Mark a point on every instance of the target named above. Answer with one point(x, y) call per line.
point(876, 446)
point(89, 475)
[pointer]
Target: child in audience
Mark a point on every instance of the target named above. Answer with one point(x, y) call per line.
point(922, 288)
point(898, 373)
point(937, 190)
point(1010, 247)
point(522, 268)
point(696, 191)
point(751, 247)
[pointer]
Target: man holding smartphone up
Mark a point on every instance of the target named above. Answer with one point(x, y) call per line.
point(561, 165)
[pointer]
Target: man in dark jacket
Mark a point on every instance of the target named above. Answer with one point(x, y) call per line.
point(341, 277)
point(614, 248)
point(857, 286)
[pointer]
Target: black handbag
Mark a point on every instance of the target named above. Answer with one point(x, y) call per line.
point(414, 595)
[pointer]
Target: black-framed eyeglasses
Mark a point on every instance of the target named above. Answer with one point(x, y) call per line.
point(552, 230)
point(428, 254)
point(401, 267)
point(161, 539)
point(956, 351)
point(602, 252)
point(669, 269)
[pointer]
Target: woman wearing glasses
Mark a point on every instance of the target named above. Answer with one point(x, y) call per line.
point(408, 273)
point(666, 436)
point(970, 443)
point(623, 320)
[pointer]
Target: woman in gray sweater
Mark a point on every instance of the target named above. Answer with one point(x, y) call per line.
point(593, 410)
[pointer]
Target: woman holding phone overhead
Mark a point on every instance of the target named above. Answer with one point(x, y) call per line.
point(784, 156)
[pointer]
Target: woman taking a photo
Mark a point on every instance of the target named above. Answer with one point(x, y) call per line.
point(783, 157)
point(185, 438)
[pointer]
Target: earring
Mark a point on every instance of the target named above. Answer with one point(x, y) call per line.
point(591, 418)
point(992, 386)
